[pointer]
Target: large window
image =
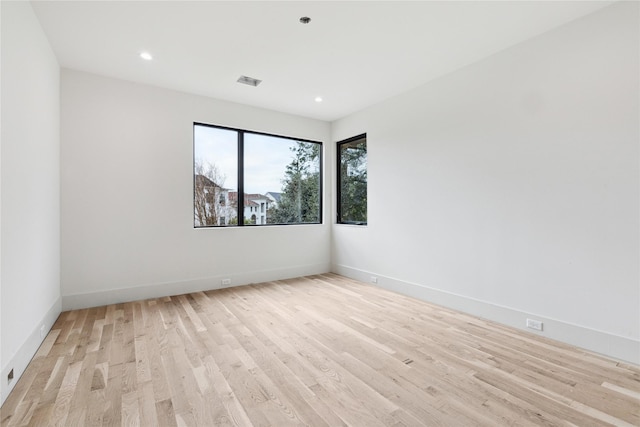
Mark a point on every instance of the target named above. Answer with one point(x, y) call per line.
point(352, 181)
point(274, 179)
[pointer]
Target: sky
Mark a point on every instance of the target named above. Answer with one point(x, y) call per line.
point(266, 157)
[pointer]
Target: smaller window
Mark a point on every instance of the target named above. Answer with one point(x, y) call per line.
point(352, 181)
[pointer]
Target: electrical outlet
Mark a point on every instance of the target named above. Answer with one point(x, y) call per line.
point(43, 331)
point(226, 282)
point(10, 376)
point(534, 324)
point(374, 279)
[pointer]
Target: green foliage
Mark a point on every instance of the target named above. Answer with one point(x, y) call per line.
point(300, 199)
point(353, 182)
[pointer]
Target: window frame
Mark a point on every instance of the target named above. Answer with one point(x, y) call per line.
point(339, 181)
point(240, 178)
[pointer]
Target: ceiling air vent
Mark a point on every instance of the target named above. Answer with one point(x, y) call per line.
point(249, 81)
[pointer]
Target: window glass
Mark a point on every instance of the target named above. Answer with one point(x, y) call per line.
point(286, 172)
point(352, 181)
point(215, 171)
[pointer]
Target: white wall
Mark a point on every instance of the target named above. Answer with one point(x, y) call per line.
point(525, 170)
point(2, 394)
point(127, 197)
point(30, 180)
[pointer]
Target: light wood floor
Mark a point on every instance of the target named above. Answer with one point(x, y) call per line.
point(317, 351)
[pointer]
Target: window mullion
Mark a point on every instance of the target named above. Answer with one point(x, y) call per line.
point(240, 179)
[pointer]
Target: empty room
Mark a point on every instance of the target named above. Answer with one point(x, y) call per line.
point(322, 213)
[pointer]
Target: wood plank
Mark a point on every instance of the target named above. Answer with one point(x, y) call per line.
point(321, 350)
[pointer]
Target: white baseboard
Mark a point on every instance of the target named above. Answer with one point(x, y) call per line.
point(157, 290)
point(21, 358)
point(614, 346)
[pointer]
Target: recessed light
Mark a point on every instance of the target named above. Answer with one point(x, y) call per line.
point(146, 56)
point(318, 99)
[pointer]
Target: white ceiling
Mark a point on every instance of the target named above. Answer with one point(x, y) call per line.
point(353, 53)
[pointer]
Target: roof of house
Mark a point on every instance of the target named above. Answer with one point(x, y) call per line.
point(274, 195)
point(206, 182)
point(249, 198)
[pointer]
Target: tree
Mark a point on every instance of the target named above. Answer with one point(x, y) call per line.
point(209, 199)
point(300, 199)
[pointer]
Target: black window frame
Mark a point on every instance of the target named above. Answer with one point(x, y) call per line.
point(339, 181)
point(240, 168)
